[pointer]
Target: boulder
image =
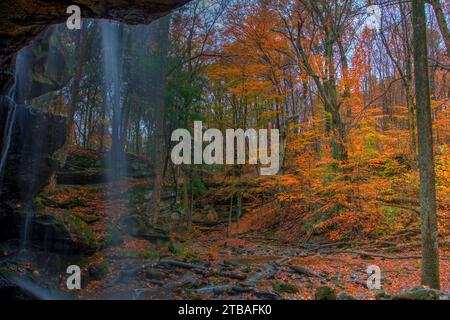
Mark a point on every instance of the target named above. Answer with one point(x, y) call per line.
point(283, 287)
point(345, 296)
point(98, 271)
point(153, 294)
point(42, 68)
point(34, 138)
point(325, 293)
point(417, 293)
point(9, 291)
point(189, 281)
point(46, 232)
point(153, 274)
point(381, 295)
point(85, 167)
point(138, 227)
point(22, 288)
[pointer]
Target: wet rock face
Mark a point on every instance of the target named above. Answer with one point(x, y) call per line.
point(47, 233)
point(90, 167)
point(22, 20)
point(35, 137)
point(42, 68)
point(10, 291)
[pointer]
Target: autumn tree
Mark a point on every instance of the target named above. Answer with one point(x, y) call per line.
point(430, 251)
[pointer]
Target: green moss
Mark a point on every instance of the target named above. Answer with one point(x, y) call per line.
point(282, 287)
point(88, 218)
point(149, 253)
point(6, 272)
point(114, 237)
point(269, 234)
point(83, 233)
point(99, 271)
point(139, 195)
point(38, 204)
point(128, 255)
point(176, 248)
point(186, 253)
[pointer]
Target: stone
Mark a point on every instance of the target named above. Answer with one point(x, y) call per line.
point(153, 294)
point(325, 293)
point(381, 295)
point(212, 215)
point(189, 281)
point(98, 271)
point(136, 226)
point(47, 68)
point(345, 296)
point(10, 291)
point(417, 293)
point(152, 274)
point(175, 216)
point(282, 287)
point(35, 137)
point(47, 233)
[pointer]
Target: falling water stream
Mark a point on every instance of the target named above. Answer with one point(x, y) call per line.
point(6, 143)
point(11, 117)
point(116, 162)
point(20, 94)
point(112, 75)
point(17, 92)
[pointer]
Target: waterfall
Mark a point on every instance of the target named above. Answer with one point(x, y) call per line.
point(15, 129)
point(6, 143)
point(11, 116)
point(112, 75)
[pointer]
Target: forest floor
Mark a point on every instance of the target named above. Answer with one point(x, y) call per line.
point(206, 264)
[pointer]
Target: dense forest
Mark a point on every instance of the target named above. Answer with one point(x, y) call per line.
point(362, 108)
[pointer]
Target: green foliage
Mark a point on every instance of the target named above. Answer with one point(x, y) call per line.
point(99, 271)
point(114, 237)
point(176, 248)
point(149, 253)
point(83, 234)
point(179, 250)
point(128, 255)
point(282, 287)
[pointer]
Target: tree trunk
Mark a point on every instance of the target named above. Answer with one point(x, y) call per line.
point(73, 105)
point(101, 145)
point(442, 23)
point(162, 39)
point(239, 210)
point(186, 196)
point(430, 250)
point(411, 122)
point(230, 215)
